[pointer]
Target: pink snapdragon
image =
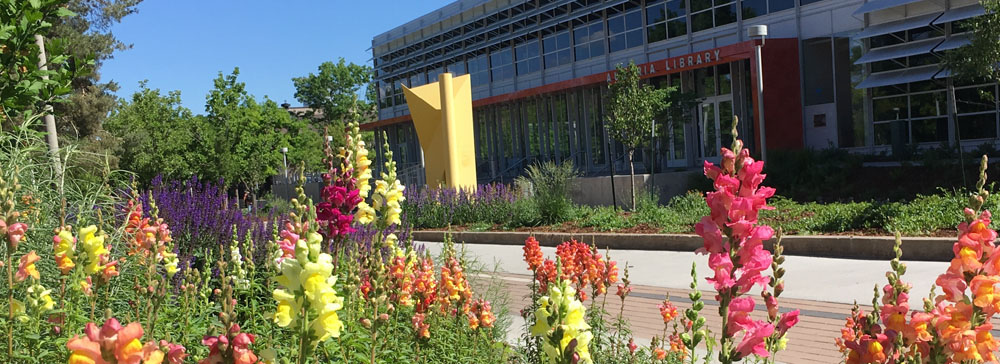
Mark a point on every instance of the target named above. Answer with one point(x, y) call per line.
point(734, 242)
point(235, 346)
point(341, 194)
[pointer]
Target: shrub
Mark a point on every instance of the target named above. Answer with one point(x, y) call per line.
point(550, 186)
point(442, 207)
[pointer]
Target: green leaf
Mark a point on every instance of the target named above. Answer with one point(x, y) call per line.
point(64, 12)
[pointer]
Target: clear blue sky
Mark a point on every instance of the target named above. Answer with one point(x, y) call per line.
point(183, 44)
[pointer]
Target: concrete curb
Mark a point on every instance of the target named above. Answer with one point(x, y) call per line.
point(850, 247)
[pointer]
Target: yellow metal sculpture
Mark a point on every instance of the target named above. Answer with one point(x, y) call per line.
point(442, 115)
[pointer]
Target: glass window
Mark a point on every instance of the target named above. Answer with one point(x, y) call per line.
point(557, 49)
point(559, 118)
point(890, 108)
point(656, 32)
point(418, 79)
point(725, 14)
point(818, 70)
point(528, 59)
point(701, 21)
point(479, 70)
point(929, 130)
point(506, 134)
point(928, 104)
point(678, 138)
point(883, 133)
point(699, 5)
point(850, 100)
point(755, 8)
point(398, 98)
point(432, 75)
point(457, 68)
point(665, 20)
point(625, 31)
point(779, 5)
point(977, 126)
point(975, 99)
point(589, 39)
point(705, 81)
point(709, 133)
point(706, 14)
point(501, 64)
point(725, 80)
point(592, 107)
point(531, 123)
point(656, 13)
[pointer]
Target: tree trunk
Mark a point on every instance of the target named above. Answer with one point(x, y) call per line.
point(631, 174)
point(256, 188)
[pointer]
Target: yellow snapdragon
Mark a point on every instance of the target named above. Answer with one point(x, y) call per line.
point(40, 298)
point(365, 214)
point(307, 281)
point(64, 250)
point(362, 170)
point(560, 320)
point(93, 246)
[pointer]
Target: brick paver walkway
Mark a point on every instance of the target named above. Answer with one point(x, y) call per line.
point(811, 341)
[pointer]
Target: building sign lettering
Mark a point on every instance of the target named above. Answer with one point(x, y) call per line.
point(675, 63)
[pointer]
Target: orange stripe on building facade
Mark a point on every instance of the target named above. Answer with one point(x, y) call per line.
point(781, 82)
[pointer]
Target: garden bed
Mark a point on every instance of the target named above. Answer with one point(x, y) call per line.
point(500, 208)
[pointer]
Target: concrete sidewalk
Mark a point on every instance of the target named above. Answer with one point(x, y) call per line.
point(932, 249)
point(824, 289)
point(807, 278)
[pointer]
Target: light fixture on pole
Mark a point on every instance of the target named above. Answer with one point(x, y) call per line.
point(284, 157)
point(755, 32)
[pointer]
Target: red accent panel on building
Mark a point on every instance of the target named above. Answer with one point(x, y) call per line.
point(782, 94)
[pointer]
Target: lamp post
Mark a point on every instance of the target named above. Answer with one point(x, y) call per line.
point(760, 31)
point(652, 156)
point(284, 157)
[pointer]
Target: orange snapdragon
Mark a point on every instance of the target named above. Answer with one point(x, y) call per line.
point(454, 289)
point(956, 325)
point(64, 249)
point(120, 344)
point(480, 314)
point(26, 267)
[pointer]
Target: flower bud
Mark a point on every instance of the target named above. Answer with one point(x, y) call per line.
point(366, 323)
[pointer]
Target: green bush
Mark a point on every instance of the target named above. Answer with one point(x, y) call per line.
point(550, 185)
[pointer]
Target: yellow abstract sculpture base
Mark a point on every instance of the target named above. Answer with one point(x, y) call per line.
point(442, 115)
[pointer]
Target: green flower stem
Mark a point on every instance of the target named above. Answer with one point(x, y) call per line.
point(10, 303)
point(303, 334)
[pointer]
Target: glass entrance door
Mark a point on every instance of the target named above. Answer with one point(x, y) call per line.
point(715, 125)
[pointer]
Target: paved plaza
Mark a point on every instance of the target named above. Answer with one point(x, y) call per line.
point(824, 289)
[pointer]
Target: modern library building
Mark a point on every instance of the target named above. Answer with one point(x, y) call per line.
point(853, 74)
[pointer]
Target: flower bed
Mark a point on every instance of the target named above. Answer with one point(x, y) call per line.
point(335, 283)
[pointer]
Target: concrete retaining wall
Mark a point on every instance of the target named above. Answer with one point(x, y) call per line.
point(851, 247)
point(596, 191)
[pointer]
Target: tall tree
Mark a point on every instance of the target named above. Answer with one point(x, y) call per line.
point(333, 92)
point(250, 134)
point(23, 84)
point(631, 109)
point(88, 36)
point(158, 135)
point(978, 60)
